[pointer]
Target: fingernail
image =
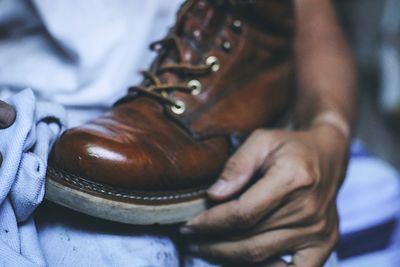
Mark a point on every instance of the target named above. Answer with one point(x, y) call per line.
point(193, 248)
point(219, 188)
point(186, 230)
point(194, 221)
point(7, 116)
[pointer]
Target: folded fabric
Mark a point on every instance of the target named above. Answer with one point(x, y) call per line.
point(25, 147)
point(369, 210)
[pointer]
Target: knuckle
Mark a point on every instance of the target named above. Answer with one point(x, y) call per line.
point(306, 175)
point(244, 217)
point(254, 254)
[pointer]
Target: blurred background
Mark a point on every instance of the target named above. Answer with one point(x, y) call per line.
point(370, 198)
point(373, 29)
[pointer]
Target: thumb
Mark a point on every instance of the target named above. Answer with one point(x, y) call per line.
point(241, 167)
point(7, 115)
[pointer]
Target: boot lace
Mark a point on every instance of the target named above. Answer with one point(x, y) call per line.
point(155, 88)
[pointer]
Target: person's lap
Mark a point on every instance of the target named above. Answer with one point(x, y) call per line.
point(72, 239)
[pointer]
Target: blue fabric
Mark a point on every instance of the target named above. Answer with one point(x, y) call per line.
point(369, 209)
point(25, 147)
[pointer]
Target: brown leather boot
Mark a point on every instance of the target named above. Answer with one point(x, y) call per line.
point(224, 70)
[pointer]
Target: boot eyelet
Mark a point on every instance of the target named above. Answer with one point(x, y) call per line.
point(179, 107)
point(201, 4)
point(197, 34)
point(196, 87)
point(227, 46)
point(237, 25)
point(213, 62)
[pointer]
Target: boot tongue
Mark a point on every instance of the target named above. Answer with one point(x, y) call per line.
point(200, 28)
point(198, 25)
point(197, 28)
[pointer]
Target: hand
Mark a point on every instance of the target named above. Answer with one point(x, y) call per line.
point(7, 118)
point(291, 209)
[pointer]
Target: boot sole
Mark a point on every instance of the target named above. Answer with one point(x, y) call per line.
point(118, 205)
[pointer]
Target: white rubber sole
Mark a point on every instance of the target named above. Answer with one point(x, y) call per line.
point(129, 213)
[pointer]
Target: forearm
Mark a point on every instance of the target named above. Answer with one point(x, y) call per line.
point(326, 75)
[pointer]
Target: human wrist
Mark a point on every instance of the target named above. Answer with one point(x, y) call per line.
point(333, 150)
point(334, 120)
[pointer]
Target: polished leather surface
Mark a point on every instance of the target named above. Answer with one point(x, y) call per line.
point(141, 144)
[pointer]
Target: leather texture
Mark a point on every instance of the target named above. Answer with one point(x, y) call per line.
point(142, 144)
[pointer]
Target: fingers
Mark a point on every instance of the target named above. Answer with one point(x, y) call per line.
point(287, 210)
point(255, 250)
point(7, 115)
point(261, 250)
point(256, 203)
point(241, 167)
point(245, 212)
point(314, 256)
point(326, 235)
point(302, 212)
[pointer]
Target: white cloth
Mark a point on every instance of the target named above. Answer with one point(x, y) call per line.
point(82, 54)
point(25, 147)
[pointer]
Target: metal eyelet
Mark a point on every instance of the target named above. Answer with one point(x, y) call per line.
point(179, 107)
point(237, 25)
point(213, 62)
point(227, 46)
point(157, 47)
point(196, 87)
point(197, 34)
point(201, 4)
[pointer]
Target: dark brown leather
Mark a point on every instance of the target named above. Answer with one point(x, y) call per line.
point(141, 144)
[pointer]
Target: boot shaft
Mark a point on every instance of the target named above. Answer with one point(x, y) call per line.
point(253, 42)
point(236, 55)
point(208, 20)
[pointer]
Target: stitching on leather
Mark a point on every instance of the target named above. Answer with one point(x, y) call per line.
point(92, 186)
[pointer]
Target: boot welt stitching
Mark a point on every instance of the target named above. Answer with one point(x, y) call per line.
point(91, 186)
